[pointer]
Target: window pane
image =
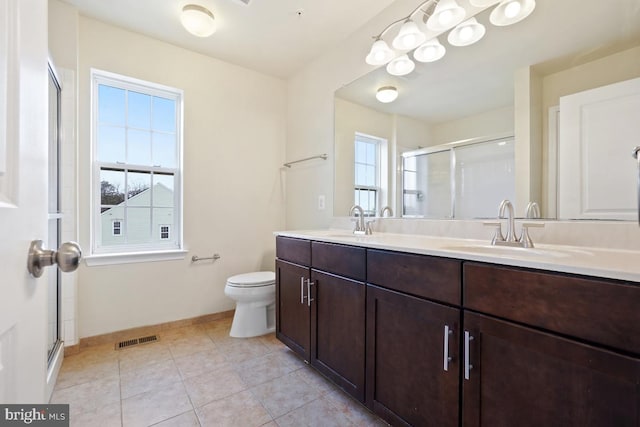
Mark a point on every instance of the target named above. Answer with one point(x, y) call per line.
point(111, 187)
point(361, 152)
point(111, 143)
point(139, 110)
point(109, 219)
point(111, 103)
point(164, 114)
point(371, 154)
point(164, 150)
point(138, 147)
point(138, 183)
point(361, 174)
point(138, 225)
point(370, 177)
point(163, 190)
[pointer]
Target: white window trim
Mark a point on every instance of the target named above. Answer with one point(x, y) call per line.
point(135, 253)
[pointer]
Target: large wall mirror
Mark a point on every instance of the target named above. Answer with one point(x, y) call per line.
point(506, 88)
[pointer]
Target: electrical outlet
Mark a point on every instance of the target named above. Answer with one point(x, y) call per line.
point(321, 202)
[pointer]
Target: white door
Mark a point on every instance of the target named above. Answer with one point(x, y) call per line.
point(23, 198)
point(597, 176)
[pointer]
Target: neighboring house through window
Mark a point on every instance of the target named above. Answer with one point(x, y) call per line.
point(137, 146)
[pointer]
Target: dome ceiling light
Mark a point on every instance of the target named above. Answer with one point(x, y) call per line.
point(198, 20)
point(387, 94)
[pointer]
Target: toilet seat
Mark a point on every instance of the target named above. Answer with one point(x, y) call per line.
point(252, 280)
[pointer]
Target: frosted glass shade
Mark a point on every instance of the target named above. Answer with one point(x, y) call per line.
point(430, 51)
point(401, 66)
point(467, 33)
point(380, 53)
point(511, 11)
point(483, 3)
point(409, 36)
point(198, 20)
point(447, 14)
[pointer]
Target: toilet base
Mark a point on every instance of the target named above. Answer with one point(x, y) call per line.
point(250, 320)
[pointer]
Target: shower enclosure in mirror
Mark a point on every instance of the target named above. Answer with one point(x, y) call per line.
point(460, 180)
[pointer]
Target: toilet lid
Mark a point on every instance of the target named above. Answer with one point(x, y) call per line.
point(257, 278)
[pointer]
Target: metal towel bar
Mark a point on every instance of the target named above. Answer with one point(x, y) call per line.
point(196, 258)
point(319, 156)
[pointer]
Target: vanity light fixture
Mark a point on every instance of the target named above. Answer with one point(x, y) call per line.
point(198, 20)
point(401, 66)
point(440, 16)
point(387, 94)
point(467, 33)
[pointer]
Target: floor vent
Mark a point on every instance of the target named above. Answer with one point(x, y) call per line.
point(136, 341)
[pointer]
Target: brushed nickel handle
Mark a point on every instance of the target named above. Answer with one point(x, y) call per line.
point(447, 331)
point(67, 257)
point(309, 299)
point(467, 366)
point(302, 297)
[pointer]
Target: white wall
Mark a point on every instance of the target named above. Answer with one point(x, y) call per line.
point(234, 137)
point(310, 116)
point(488, 123)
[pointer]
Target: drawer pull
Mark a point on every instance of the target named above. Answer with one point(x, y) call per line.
point(302, 297)
point(447, 358)
point(467, 366)
point(309, 299)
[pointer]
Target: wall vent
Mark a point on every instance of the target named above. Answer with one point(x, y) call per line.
point(136, 341)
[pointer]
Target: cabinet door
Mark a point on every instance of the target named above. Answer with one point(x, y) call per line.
point(410, 380)
point(338, 330)
point(520, 376)
point(292, 309)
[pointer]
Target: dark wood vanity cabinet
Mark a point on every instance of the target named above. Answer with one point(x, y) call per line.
point(413, 356)
point(320, 309)
point(431, 341)
point(570, 360)
point(293, 271)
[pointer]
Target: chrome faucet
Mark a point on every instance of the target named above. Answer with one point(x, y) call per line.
point(384, 210)
point(510, 237)
point(360, 227)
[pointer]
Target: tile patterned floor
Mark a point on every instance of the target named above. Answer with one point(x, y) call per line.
point(199, 376)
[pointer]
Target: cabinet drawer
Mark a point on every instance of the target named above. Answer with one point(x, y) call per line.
point(420, 275)
point(293, 250)
point(348, 261)
point(600, 311)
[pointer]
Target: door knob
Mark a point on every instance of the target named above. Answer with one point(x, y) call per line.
point(67, 257)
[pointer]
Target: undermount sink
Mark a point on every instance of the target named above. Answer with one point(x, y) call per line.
point(511, 251)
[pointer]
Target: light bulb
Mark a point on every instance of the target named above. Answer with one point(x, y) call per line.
point(430, 51)
point(401, 66)
point(512, 9)
point(409, 36)
point(445, 17)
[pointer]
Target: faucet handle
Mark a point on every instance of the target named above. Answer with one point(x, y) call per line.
point(525, 239)
point(497, 237)
point(357, 224)
point(368, 229)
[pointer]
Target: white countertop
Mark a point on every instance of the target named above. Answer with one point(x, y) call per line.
point(598, 262)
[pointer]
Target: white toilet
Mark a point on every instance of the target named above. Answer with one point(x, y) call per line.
point(255, 296)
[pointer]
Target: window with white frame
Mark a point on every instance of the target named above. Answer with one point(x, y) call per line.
point(165, 232)
point(116, 227)
point(136, 159)
point(367, 173)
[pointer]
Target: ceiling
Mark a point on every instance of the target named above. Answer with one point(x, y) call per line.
point(477, 78)
point(273, 37)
